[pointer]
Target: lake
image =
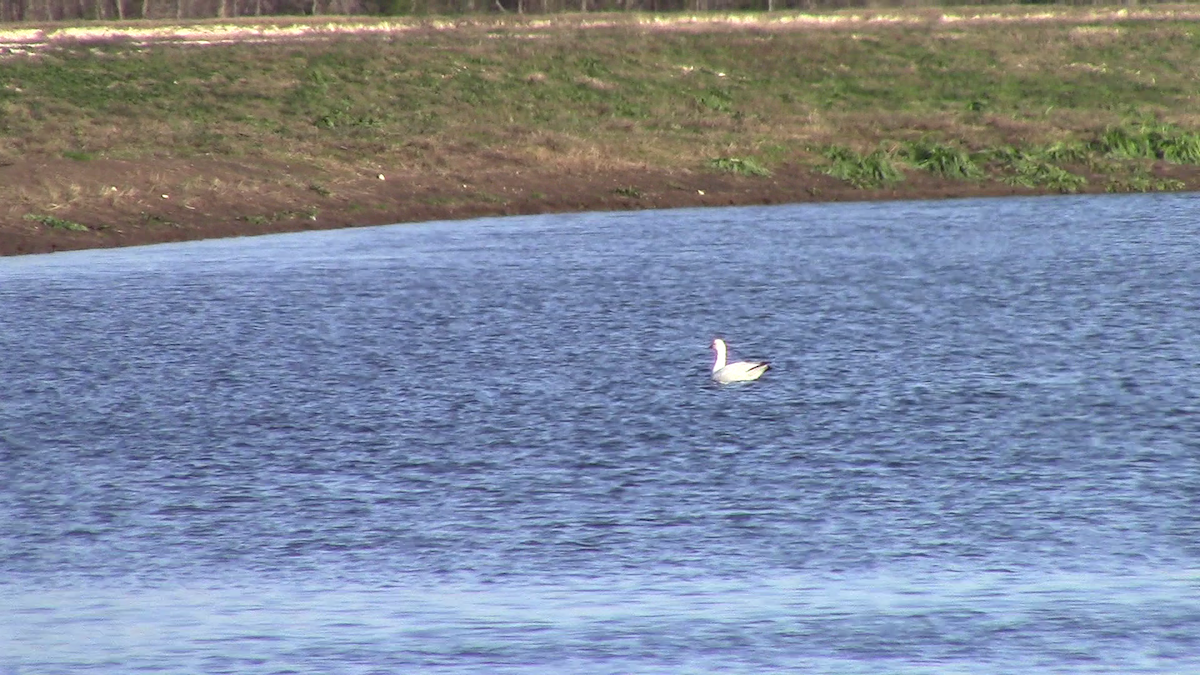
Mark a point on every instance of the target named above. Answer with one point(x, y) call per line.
point(493, 446)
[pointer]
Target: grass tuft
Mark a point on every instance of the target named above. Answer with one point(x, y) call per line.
point(717, 100)
point(1149, 140)
point(308, 213)
point(1030, 169)
point(862, 171)
point(1067, 152)
point(1142, 181)
point(741, 166)
point(943, 160)
point(57, 223)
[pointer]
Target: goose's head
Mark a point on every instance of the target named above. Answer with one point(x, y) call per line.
point(718, 344)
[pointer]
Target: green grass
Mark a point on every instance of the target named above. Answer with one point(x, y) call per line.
point(1142, 182)
point(742, 166)
point(875, 169)
point(1149, 140)
point(57, 223)
point(1069, 152)
point(1030, 168)
point(943, 160)
point(371, 95)
point(443, 101)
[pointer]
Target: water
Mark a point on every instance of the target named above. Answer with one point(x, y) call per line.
point(492, 446)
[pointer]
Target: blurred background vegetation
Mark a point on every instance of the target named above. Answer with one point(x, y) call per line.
point(15, 11)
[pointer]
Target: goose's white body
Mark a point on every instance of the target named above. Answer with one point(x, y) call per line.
point(739, 371)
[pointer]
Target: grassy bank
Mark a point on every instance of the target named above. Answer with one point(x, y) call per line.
point(119, 137)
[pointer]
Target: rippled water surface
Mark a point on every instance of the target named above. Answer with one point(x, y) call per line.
point(492, 446)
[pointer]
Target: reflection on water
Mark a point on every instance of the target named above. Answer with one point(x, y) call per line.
point(492, 446)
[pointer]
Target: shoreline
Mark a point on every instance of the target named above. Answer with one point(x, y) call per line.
point(402, 198)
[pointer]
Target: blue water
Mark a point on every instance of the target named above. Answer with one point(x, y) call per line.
point(493, 447)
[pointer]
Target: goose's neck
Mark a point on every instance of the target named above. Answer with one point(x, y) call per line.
point(720, 362)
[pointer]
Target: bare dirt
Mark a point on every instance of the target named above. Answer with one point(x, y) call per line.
point(157, 205)
point(148, 212)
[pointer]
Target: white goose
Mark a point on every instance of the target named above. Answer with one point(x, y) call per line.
point(739, 371)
